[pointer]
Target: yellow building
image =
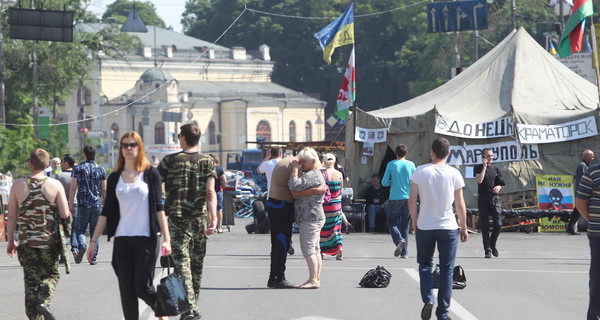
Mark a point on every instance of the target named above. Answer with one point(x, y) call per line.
point(227, 92)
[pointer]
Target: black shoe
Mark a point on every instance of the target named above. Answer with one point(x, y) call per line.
point(283, 284)
point(45, 311)
point(426, 311)
point(495, 252)
point(190, 315)
point(80, 255)
point(488, 254)
point(291, 251)
point(270, 283)
point(573, 232)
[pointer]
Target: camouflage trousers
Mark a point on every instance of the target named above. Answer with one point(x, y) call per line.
point(40, 269)
point(188, 244)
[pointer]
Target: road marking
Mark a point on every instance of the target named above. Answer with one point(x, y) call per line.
point(455, 307)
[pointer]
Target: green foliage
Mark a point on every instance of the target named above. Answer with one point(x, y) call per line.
point(120, 9)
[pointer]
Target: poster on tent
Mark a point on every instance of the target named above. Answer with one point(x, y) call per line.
point(555, 192)
point(470, 155)
point(370, 135)
point(368, 148)
point(503, 127)
point(572, 130)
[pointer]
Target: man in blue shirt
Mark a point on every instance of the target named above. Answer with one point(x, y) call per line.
point(397, 175)
point(88, 181)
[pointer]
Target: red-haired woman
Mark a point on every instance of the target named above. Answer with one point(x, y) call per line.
point(133, 213)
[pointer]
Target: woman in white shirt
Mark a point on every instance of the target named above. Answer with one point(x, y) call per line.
point(133, 213)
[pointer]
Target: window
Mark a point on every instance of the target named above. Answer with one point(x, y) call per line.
point(159, 133)
point(292, 131)
point(263, 131)
point(212, 133)
point(308, 131)
point(84, 98)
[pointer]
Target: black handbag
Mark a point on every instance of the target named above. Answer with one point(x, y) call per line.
point(171, 297)
point(459, 280)
point(376, 278)
point(166, 261)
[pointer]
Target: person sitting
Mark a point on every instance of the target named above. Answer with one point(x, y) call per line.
point(376, 198)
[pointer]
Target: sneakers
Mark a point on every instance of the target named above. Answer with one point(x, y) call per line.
point(488, 254)
point(80, 255)
point(426, 311)
point(270, 283)
point(45, 311)
point(404, 257)
point(283, 284)
point(190, 315)
point(495, 252)
point(399, 248)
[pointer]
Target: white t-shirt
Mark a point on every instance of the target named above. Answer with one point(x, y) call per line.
point(437, 185)
point(134, 207)
point(267, 167)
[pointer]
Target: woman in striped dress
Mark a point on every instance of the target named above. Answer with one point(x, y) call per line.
point(331, 233)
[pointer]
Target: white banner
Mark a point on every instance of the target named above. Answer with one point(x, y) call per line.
point(370, 135)
point(503, 152)
point(451, 127)
point(163, 148)
point(567, 131)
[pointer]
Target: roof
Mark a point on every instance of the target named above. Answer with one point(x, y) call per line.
point(516, 77)
point(222, 90)
point(156, 74)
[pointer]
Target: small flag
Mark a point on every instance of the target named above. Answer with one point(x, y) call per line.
point(338, 33)
point(347, 93)
point(552, 50)
point(588, 46)
point(571, 40)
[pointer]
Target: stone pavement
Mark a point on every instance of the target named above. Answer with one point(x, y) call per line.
point(537, 276)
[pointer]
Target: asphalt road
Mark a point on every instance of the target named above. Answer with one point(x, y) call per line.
point(537, 276)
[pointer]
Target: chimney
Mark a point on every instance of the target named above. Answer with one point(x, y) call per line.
point(238, 53)
point(265, 52)
point(147, 52)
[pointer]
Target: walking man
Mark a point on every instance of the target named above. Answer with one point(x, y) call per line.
point(397, 174)
point(266, 166)
point(490, 182)
point(64, 176)
point(191, 206)
point(588, 203)
point(582, 167)
point(438, 186)
point(88, 182)
point(34, 208)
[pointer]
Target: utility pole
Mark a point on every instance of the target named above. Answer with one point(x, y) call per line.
point(35, 92)
point(455, 46)
point(513, 15)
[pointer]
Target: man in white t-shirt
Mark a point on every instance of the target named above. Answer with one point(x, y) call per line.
point(438, 186)
point(266, 166)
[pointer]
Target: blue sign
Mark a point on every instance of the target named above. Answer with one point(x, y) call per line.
point(456, 16)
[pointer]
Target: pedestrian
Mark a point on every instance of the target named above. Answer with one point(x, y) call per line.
point(490, 182)
point(220, 182)
point(280, 207)
point(133, 214)
point(331, 232)
point(191, 206)
point(64, 176)
point(266, 166)
point(34, 209)
point(438, 186)
point(397, 175)
point(88, 182)
point(53, 169)
point(582, 167)
point(376, 199)
point(309, 212)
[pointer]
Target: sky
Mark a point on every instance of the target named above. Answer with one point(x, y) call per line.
point(168, 10)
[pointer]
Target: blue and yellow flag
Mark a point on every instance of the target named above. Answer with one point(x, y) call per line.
point(338, 33)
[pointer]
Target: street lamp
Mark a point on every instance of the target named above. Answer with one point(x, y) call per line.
point(3, 3)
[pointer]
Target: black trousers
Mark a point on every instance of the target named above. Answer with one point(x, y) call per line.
point(134, 261)
point(487, 208)
point(281, 217)
point(573, 220)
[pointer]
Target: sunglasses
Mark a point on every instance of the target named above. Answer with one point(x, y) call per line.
point(129, 145)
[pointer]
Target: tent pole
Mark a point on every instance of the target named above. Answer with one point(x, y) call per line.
point(595, 53)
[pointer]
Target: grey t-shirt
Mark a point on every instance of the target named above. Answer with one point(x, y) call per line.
point(65, 179)
point(309, 208)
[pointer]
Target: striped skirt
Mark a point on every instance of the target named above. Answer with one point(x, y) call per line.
point(331, 235)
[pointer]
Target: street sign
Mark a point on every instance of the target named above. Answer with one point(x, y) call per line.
point(456, 16)
point(172, 116)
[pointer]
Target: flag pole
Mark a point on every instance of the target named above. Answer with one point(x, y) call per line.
point(595, 53)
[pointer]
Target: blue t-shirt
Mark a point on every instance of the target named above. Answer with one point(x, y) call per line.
point(89, 176)
point(397, 175)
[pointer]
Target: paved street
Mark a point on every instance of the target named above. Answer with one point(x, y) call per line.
point(537, 276)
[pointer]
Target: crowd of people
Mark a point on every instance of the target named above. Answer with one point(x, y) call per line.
point(128, 205)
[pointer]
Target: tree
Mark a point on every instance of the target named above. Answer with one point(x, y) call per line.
point(120, 9)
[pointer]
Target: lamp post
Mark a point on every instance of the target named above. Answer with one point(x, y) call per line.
point(3, 3)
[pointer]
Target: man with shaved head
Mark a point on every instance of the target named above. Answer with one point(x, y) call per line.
point(586, 160)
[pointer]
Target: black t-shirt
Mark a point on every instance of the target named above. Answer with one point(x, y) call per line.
point(493, 177)
point(376, 196)
point(220, 172)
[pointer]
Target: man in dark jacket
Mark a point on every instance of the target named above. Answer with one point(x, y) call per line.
point(582, 167)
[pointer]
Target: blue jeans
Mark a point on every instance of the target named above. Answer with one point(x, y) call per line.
point(593, 308)
point(398, 220)
point(373, 210)
point(74, 242)
point(447, 242)
point(87, 216)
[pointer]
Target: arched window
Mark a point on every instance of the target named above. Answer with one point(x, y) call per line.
point(159, 133)
point(308, 131)
point(212, 133)
point(263, 131)
point(292, 131)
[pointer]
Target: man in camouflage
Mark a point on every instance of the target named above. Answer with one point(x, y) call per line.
point(36, 207)
point(189, 178)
